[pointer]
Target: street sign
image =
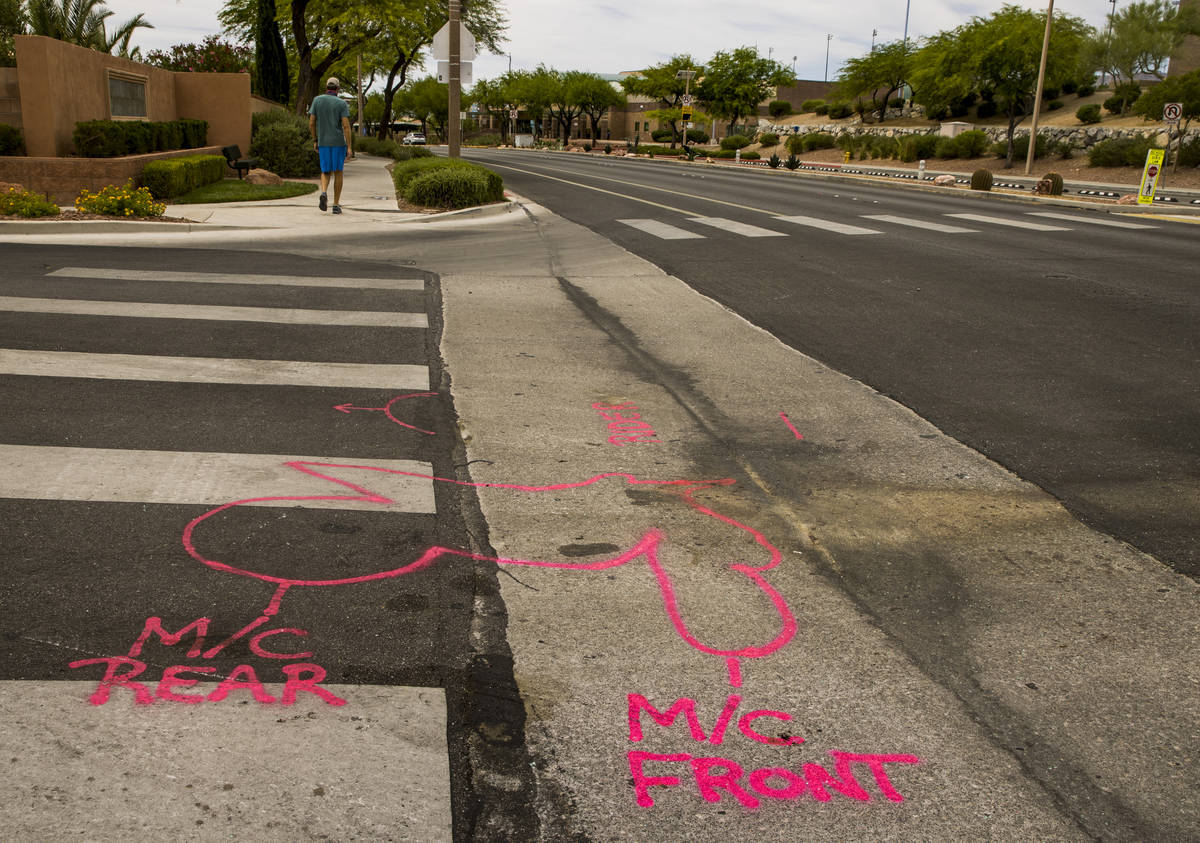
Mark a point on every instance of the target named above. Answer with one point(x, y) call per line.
point(1154, 162)
point(441, 44)
point(512, 114)
point(1172, 111)
point(687, 112)
point(687, 100)
point(465, 73)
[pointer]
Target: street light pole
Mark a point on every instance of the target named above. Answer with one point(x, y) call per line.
point(828, 38)
point(907, 6)
point(1037, 98)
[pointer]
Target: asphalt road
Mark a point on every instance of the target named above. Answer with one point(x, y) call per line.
point(128, 420)
point(1068, 351)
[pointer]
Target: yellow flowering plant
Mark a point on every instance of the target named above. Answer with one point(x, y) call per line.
point(123, 201)
point(23, 203)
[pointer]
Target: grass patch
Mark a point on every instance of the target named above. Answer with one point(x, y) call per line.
point(239, 190)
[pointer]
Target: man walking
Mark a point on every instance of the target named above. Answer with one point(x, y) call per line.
point(329, 125)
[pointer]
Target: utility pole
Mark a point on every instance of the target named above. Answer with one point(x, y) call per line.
point(907, 7)
point(1037, 98)
point(362, 121)
point(454, 123)
point(828, 38)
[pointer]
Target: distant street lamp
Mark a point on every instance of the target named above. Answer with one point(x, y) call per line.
point(907, 6)
point(828, 38)
point(874, 33)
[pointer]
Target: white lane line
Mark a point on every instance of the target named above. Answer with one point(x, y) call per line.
point(828, 225)
point(382, 757)
point(662, 230)
point(46, 473)
point(1088, 220)
point(1031, 226)
point(237, 278)
point(924, 224)
point(136, 367)
point(735, 227)
point(146, 310)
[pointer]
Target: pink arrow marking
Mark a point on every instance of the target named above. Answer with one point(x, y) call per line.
point(646, 548)
point(791, 426)
point(386, 409)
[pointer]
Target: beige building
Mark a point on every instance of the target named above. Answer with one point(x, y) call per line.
point(1187, 57)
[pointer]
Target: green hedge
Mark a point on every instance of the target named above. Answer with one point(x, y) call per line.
point(1121, 152)
point(285, 147)
point(735, 142)
point(390, 149)
point(467, 185)
point(177, 176)
point(11, 140)
point(115, 138)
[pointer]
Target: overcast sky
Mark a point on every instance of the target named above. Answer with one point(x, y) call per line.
point(609, 36)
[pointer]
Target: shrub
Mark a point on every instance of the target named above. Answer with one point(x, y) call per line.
point(114, 138)
point(817, 140)
point(1120, 152)
point(1124, 95)
point(840, 110)
point(916, 147)
point(1189, 153)
point(981, 179)
point(1085, 90)
point(735, 142)
point(405, 173)
point(774, 161)
point(449, 187)
point(972, 144)
point(608, 149)
point(286, 149)
point(1020, 147)
point(23, 203)
point(11, 140)
point(986, 109)
point(697, 136)
point(1070, 86)
point(823, 108)
point(410, 153)
point(779, 108)
point(177, 176)
point(811, 106)
point(661, 135)
point(490, 139)
point(1088, 113)
point(1050, 93)
point(1063, 149)
point(941, 112)
point(946, 148)
point(768, 139)
point(124, 201)
point(749, 155)
point(1054, 105)
point(880, 146)
point(896, 102)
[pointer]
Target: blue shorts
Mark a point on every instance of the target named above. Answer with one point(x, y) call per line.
point(333, 158)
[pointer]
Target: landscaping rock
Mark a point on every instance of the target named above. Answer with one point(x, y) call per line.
point(1128, 199)
point(6, 186)
point(946, 180)
point(259, 176)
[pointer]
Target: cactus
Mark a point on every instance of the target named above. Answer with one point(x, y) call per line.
point(1056, 183)
point(792, 162)
point(981, 179)
point(773, 162)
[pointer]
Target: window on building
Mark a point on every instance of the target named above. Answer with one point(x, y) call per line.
point(637, 126)
point(126, 95)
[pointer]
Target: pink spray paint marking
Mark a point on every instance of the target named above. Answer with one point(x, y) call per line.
point(386, 409)
point(645, 548)
point(791, 426)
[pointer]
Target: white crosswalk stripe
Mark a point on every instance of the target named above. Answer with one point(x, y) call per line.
point(828, 225)
point(1012, 223)
point(923, 224)
point(237, 278)
point(34, 472)
point(286, 316)
point(662, 230)
point(133, 367)
point(735, 227)
point(1054, 215)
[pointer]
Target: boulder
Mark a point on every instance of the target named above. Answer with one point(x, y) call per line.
point(258, 176)
point(1128, 199)
point(6, 186)
point(946, 180)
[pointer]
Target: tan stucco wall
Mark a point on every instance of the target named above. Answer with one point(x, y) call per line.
point(61, 85)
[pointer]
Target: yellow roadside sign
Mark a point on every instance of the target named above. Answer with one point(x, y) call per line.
point(687, 112)
point(1154, 162)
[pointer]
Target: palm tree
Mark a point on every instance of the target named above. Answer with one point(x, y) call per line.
point(81, 22)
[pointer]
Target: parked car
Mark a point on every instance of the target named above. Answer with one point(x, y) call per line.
point(414, 138)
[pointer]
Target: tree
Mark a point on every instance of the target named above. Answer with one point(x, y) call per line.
point(886, 68)
point(210, 56)
point(663, 83)
point(735, 83)
point(79, 22)
point(271, 76)
point(1184, 90)
point(428, 100)
point(1141, 37)
point(494, 98)
point(534, 91)
point(999, 55)
point(596, 97)
point(564, 103)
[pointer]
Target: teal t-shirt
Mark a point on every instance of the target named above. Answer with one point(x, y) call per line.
point(329, 111)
